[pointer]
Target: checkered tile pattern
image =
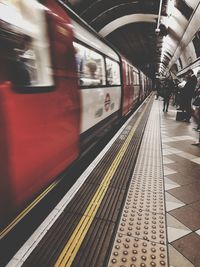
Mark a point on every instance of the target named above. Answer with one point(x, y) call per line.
point(182, 189)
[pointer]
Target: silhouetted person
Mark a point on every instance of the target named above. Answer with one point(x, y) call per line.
point(92, 68)
point(20, 74)
point(19, 69)
point(167, 92)
point(157, 88)
point(188, 93)
point(196, 102)
point(176, 94)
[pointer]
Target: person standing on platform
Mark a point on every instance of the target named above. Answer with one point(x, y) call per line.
point(167, 92)
point(177, 98)
point(188, 93)
point(196, 102)
point(157, 88)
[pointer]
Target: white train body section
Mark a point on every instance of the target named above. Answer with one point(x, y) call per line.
point(98, 103)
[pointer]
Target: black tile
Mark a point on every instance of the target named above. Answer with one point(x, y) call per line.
point(189, 246)
point(187, 216)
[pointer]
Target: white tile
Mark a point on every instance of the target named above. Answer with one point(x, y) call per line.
point(172, 202)
point(173, 205)
point(164, 139)
point(169, 184)
point(169, 197)
point(168, 171)
point(196, 160)
point(174, 223)
point(186, 155)
point(174, 233)
point(198, 232)
point(167, 161)
point(169, 181)
point(183, 137)
point(176, 259)
point(170, 139)
point(165, 146)
point(175, 151)
point(166, 152)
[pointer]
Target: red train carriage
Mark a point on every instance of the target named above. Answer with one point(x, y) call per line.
point(130, 86)
point(40, 116)
point(61, 86)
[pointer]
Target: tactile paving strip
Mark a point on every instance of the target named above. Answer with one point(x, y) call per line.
point(141, 235)
point(135, 252)
point(145, 225)
point(145, 200)
point(148, 178)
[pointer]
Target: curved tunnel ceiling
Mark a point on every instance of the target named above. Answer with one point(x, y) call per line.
point(130, 27)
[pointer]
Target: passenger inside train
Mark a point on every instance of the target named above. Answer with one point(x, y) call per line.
point(90, 66)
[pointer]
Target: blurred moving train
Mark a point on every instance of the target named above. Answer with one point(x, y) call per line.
point(61, 87)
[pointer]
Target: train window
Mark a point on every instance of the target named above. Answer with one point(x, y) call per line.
point(113, 72)
point(131, 74)
point(129, 78)
point(90, 66)
point(136, 78)
point(127, 74)
point(27, 48)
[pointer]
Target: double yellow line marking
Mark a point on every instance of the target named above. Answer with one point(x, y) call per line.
point(71, 248)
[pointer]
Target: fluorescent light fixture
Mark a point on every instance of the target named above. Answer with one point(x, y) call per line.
point(170, 7)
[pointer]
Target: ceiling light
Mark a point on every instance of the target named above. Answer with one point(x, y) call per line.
point(170, 7)
point(157, 30)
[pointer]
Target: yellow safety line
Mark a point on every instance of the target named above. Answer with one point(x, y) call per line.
point(27, 210)
point(71, 248)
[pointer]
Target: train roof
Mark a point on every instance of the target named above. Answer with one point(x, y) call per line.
point(86, 36)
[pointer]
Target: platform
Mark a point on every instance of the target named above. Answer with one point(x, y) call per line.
point(138, 203)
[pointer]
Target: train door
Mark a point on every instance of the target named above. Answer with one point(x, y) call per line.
point(136, 85)
point(131, 82)
point(39, 99)
point(125, 88)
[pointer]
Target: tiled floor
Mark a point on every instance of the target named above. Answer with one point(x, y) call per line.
point(182, 189)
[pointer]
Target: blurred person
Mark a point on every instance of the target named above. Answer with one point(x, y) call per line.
point(79, 60)
point(157, 88)
point(92, 69)
point(196, 102)
point(168, 88)
point(11, 67)
point(180, 90)
point(28, 57)
point(20, 75)
point(176, 93)
point(188, 93)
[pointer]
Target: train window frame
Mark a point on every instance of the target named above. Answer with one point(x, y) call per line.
point(31, 57)
point(131, 75)
point(92, 50)
point(127, 73)
point(136, 78)
point(119, 71)
point(76, 40)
